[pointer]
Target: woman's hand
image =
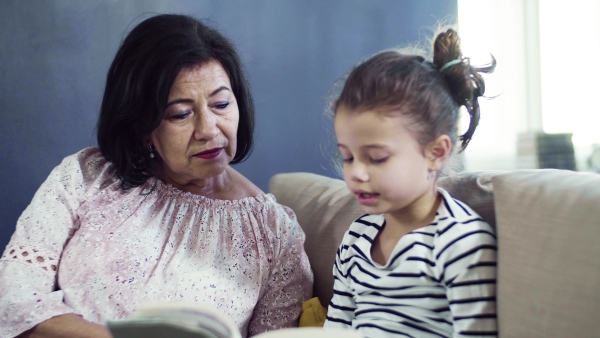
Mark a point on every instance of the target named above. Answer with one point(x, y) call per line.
point(69, 325)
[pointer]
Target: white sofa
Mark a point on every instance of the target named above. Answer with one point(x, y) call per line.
point(548, 227)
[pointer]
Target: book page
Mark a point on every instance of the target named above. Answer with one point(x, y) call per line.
point(312, 332)
point(175, 320)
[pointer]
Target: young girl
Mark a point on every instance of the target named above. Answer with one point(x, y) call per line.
point(419, 263)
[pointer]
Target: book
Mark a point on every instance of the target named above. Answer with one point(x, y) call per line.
point(201, 321)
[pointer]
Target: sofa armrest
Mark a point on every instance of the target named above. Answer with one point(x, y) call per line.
point(548, 227)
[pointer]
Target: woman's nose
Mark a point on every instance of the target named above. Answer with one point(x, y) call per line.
point(206, 125)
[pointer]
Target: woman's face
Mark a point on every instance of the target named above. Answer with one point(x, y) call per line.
point(196, 139)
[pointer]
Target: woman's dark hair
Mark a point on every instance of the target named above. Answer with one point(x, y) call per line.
point(428, 92)
point(138, 85)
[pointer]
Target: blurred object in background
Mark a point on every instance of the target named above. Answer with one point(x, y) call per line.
point(594, 160)
point(536, 87)
point(538, 150)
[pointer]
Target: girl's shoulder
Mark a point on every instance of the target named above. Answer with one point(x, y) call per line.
point(454, 210)
point(458, 227)
point(366, 225)
point(456, 219)
point(368, 221)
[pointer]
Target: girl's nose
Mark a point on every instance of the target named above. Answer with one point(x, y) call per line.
point(358, 172)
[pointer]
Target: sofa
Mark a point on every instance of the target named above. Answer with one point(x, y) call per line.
point(547, 224)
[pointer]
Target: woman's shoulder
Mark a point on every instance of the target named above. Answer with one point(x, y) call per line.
point(261, 202)
point(243, 186)
point(275, 217)
point(90, 164)
point(90, 156)
point(87, 162)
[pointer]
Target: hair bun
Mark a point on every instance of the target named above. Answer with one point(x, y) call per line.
point(464, 82)
point(446, 47)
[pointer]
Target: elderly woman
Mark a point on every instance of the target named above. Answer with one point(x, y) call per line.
point(156, 213)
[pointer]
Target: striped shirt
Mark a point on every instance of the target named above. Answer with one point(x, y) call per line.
point(440, 280)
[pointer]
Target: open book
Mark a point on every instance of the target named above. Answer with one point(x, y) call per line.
point(201, 321)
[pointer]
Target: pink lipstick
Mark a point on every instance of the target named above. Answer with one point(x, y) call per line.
point(209, 154)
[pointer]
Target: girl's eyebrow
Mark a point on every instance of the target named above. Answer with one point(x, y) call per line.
point(215, 92)
point(374, 146)
point(367, 147)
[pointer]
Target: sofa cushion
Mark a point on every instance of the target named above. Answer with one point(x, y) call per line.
point(548, 226)
point(474, 188)
point(325, 209)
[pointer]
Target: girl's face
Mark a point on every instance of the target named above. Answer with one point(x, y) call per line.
point(197, 137)
point(384, 166)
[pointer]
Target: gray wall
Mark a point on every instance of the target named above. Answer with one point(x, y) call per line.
point(54, 56)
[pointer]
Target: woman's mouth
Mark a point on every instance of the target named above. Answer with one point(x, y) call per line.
point(209, 154)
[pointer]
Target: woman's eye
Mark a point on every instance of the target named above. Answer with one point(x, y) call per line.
point(347, 160)
point(221, 105)
point(181, 116)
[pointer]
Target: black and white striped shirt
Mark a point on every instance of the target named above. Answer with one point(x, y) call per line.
point(440, 280)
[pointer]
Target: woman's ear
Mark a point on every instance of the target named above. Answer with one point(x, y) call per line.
point(438, 151)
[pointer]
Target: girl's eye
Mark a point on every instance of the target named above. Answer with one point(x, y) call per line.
point(378, 160)
point(347, 160)
point(221, 105)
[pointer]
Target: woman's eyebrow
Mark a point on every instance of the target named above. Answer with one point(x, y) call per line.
point(215, 92)
point(176, 101)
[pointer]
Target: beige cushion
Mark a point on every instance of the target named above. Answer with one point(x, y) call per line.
point(325, 209)
point(474, 188)
point(548, 226)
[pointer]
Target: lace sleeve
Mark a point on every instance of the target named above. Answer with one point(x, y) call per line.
point(290, 281)
point(28, 290)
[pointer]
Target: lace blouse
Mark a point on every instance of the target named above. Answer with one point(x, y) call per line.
point(88, 247)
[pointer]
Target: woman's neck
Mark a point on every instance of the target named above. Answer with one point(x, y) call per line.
point(229, 185)
point(209, 187)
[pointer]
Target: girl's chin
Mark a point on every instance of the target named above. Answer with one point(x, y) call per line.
point(372, 209)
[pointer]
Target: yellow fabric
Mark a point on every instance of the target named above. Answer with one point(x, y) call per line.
point(313, 313)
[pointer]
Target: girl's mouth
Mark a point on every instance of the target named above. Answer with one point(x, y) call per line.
point(366, 199)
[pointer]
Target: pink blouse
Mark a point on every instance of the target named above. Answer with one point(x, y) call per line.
point(86, 246)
